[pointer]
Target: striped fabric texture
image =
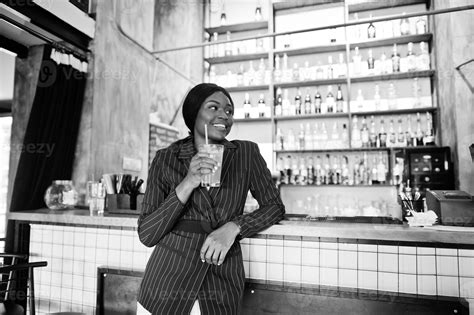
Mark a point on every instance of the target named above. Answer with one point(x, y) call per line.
point(175, 276)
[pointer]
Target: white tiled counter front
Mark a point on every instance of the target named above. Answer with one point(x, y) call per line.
point(385, 259)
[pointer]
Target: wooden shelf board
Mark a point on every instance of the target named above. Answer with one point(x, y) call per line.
point(394, 76)
point(396, 111)
point(247, 88)
point(251, 120)
point(237, 58)
point(312, 116)
point(241, 27)
point(380, 4)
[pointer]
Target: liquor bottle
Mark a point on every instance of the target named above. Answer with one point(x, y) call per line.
point(291, 108)
point(411, 58)
point(301, 139)
point(215, 46)
point(318, 175)
point(336, 171)
point(291, 141)
point(308, 137)
point(240, 76)
point(344, 171)
point(392, 136)
point(356, 28)
point(310, 171)
point(373, 134)
point(421, 26)
point(285, 103)
point(294, 171)
point(419, 133)
point(416, 88)
point(392, 97)
point(247, 106)
point(319, 71)
point(356, 62)
point(307, 103)
point(339, 100)
point(335, 139)
point(277, 71)
point(212, 74)
point(279, 103)
point(298, 104)
point(259, 44)
point(371, 62)
point(286, 72)
point(249, 76)
point(429, 138)
point(317, 102)
point(341, 69)
point(359, 101)
point(423, 59)
point(364, 134)
point(373, 173)
point(395, 59)
point(258, 14)
point(306, 72)
point(408, 133)
point(382, 135)
point(326, 180)
point(260, 77)
point(344, 136)
point(261, 106)
point(371, 29)
point(381, 170)
point(330, 72)
point(316, 137)
point(324, 136)
point(377, 100)
point(280, 140)
point(401, 139)
point(296, 73)
point(223, 19)
point(404, 26)
point(356, 136)
point(384, 64)
point(330, 100)
point(280, 167)
point(228, 46)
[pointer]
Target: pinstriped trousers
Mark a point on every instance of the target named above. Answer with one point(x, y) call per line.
point(194, 311)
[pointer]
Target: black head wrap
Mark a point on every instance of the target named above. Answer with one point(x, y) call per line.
point(196, 96)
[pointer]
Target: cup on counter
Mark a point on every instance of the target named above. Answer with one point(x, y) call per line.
point(216, 152)
point(95, 194)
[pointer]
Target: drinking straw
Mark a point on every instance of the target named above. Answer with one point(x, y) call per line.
point(205, 133)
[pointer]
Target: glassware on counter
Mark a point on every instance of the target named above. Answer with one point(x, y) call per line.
point(61, 195)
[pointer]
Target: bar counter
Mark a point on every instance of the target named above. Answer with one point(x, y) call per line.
point(382, 259)
point(366, 231)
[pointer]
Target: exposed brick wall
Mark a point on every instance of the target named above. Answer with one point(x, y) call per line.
point(161, 136)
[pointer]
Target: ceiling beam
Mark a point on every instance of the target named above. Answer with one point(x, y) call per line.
point(13, 46)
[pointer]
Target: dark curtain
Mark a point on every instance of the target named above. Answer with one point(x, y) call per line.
point(51, 135)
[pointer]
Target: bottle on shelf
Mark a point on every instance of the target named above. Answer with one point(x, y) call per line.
point(286, 72)
point(370, 62)
point(228, 46)
point(419, 132)
point(259, 44)
point(280, 140)
point(339, 100)
point(377, 98)
point(302, 172)
point(382, 135)
point(247, 106)
point(215, 46)
point(356, 28)
point(301, 139)
point(291, 108)
point(291, 141)
point(421, 25)
point(316, 137)
point(404, 26)
point(308, 137)
point(206, 73)
point(356, 141)
point(285, 103)
point(277, 71)
point(299, 109)
point(319, 71)
point(357, 62)
point(411, 58)
point(381, 170)
point(326, 179)
point(373, 173)
point(341, 68)
point(307, 103)
point(330, 68)
point(294, 171)
point(392, 136)
point(324, 137)
point(336, 171)
point(359, 101)
point(260, 75)
point(401, 138)
point(212, 74)
point(416, 88)
point(344, 136)
point(330, 100)
point(423, 59)
point(296, 73)
point(364, 134)
point(409, 133)
point(385, 64)
point(278, 103)
point(240, 76)
point(306, 72)
point(249, 75)
point(371, 29)
point(335, 139)
point(317, 102)
point(318, 172)
point(395, 59)
point(392, 97)
point(261, 106)
point(372, 134)
point(258, 13)
point(223, 19)
point(310, 171)
point(429, 138)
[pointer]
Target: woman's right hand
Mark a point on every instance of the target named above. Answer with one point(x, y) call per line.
point(201, 164)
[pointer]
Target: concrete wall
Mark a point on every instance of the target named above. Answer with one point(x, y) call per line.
point(177, 24)
point(454, 44)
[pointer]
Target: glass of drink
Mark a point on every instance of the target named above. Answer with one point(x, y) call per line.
point(216, 152)
point(96, 193)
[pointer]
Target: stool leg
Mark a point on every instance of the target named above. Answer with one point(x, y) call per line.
point(31, 281)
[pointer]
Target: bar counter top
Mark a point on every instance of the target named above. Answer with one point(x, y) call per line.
point(361, 231)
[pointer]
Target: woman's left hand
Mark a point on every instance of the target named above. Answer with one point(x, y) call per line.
point(218, 243)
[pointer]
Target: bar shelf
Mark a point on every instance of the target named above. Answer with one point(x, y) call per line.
point(241, 27)
point(237, 58)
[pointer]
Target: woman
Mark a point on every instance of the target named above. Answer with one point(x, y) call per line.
point(197, 262)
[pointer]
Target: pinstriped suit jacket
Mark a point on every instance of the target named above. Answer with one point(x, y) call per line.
point(175, 276)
